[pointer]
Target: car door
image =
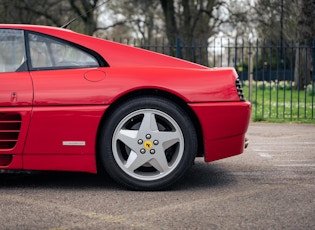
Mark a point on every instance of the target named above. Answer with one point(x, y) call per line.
point(68, 82)
point(16, 95)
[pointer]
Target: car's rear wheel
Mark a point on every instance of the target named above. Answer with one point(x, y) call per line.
point(148, 143)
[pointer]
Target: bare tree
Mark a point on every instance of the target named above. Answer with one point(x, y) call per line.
point(85, 10)
point(193, 22)
point(134, 18)
point(277, 19)
point(192, 19)
point(51, 12)
point(188, 21)
point(290, 20)
point(305, 33)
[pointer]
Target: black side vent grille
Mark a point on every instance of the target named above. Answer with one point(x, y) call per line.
point(239, 89)
point(10, 125)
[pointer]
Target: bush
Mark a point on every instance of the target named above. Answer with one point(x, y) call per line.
point(287, 85)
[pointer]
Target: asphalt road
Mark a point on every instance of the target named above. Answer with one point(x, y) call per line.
point(270, 186)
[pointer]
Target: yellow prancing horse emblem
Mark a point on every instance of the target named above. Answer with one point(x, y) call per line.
point(148, 145)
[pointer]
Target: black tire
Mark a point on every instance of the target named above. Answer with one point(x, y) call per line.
point(147, 143)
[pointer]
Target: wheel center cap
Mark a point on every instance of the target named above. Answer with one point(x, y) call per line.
point(147, 145)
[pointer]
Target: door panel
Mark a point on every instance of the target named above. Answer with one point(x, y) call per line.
point(66, 114)
point(16, 89)
point(16, 97)
point(68, 101)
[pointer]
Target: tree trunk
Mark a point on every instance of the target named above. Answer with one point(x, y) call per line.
point(170, 21)
point(303, 55)
point(303, 66)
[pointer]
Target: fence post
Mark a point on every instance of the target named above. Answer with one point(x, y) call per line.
point(250, 70)
point(313, 78)
point(178, 48)
point(235, 54)
point(313, 60)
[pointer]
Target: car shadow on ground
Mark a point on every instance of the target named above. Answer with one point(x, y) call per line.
point(200, 176)
point(203, 175)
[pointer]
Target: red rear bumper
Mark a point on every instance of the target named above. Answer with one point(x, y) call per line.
point(224, 125)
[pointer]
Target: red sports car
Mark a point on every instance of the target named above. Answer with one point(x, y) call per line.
point(71, 102)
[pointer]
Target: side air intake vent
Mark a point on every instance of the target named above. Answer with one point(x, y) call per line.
point(239, 89)
point(10, 124)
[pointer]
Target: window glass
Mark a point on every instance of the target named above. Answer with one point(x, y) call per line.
point(12, 50)
point(47, 52)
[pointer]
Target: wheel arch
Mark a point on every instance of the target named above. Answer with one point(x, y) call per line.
point(157, 93)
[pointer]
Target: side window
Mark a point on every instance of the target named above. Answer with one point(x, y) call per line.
point(51, 53)
point(12, 50)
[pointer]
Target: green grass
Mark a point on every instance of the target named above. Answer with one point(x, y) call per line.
point(278, 102)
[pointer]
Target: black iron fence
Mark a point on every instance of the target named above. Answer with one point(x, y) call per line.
point(277, 77)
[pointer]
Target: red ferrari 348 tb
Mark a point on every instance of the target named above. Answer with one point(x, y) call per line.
point(70, 102)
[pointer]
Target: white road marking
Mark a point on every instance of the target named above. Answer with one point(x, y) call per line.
point(295, 165)
point(265, 155)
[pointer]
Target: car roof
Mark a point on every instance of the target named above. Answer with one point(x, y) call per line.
point(38, 28)
point(114, 53)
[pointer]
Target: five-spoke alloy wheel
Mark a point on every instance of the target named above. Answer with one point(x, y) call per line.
point(148, 143)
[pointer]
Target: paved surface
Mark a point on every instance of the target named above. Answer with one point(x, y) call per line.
point(270, 186)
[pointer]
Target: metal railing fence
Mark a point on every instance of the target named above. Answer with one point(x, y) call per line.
point(277, 77)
